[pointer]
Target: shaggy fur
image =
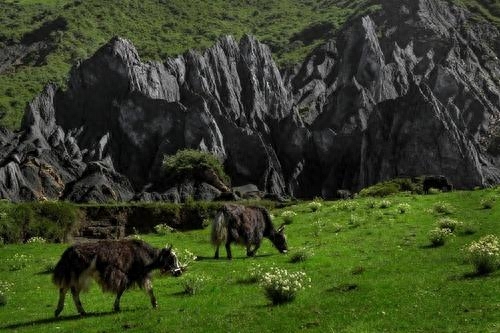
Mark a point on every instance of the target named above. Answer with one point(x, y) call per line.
point(246, 226)
point(115, 265)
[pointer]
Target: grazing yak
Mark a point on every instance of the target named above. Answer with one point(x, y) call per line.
point(247, 226)
point(437, 182)
point(116, 265)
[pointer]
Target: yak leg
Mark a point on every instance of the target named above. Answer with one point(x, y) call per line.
point(76, 298)
point(251, 253)
point(228, 250)
point(60, 304)
point(216, 256)
point(116, 306)
point(149, 289)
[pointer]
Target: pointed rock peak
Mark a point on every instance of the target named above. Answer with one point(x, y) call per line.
point(249, 41)
point(120, 48)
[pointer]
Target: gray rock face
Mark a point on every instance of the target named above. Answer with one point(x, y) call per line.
point(411, 90)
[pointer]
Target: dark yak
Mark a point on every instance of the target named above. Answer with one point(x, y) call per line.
point(437, 182)
point(247, 226)
point(115, 265)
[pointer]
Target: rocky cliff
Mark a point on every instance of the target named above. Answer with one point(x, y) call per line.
point(413, 89)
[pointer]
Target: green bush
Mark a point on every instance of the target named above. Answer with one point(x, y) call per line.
point(190, 163)
point(52, 221)
point(393, 186)
point(488, 203)
point(301, 255)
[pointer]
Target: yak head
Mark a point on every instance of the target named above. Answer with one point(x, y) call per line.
point(278, 238)
point(168, 262)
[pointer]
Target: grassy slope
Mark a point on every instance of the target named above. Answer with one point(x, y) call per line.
point(402, 284)
point(165, 28)
point(158, 29)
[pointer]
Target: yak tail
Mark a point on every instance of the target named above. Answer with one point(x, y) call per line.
point(69, 271)
point(62, 274)
point(219, 228)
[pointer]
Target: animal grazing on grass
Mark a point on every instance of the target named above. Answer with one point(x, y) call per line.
point(437, 182)
point(116, 265)
point(247, 226)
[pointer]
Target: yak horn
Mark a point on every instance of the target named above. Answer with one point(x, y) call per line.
point(282, 227)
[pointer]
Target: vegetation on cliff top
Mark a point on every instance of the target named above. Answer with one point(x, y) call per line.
point(159, 29)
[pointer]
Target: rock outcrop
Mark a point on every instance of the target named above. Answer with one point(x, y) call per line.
point(413, 89)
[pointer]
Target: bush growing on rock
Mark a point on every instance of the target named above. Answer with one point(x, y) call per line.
point(193, 163)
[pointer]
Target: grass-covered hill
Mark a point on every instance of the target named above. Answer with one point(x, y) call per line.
point(41, 39)
point(372, 265)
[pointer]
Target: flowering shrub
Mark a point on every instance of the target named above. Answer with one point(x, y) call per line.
point(337, 227)
point(193, 284)
point(384, 204)
point(18, 262)
point(484, 254)
point(318, 226)
point(288, 216)
point(347, 205)
point(185, 256)
point(281, 286)
point(438, 236)
point(163, 229)
point(371, 203)
point(442, 208)
point(5, 288)
point(315, 206)
point(403, 208)
point(36, 240)
point(448, 223)
point(255, 273)
point(354, 221)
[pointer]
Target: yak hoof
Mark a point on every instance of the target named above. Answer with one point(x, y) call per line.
point(116, 309)
point(57, 313)
point(83, 313)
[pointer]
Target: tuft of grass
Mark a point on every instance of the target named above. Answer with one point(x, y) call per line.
point(488, 203)
point(301, 256)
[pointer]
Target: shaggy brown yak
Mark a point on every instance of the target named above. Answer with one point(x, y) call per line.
point(115, 265)
point(247, 226)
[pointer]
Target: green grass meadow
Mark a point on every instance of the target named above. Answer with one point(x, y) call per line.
point(372, 270)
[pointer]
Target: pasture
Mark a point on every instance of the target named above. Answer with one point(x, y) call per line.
point(371, 264)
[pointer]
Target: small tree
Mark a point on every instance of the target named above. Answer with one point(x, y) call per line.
point(193, 163)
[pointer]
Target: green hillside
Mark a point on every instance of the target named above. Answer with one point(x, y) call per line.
point(161, 28)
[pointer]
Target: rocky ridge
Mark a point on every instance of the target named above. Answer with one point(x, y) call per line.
point(413, 89)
